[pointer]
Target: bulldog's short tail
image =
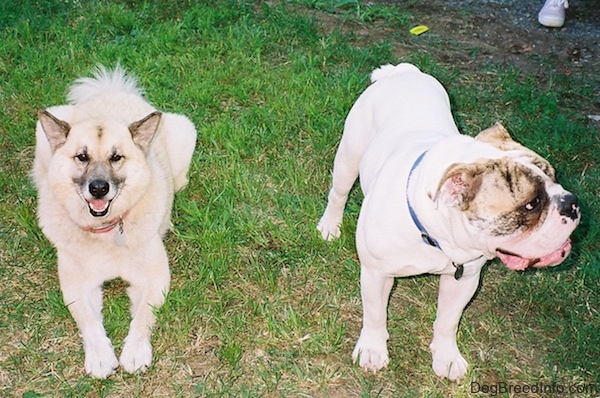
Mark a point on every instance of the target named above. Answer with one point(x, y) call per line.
point(389, 70)
point(104, 81)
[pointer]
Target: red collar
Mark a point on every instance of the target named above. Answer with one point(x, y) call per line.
point(106, 227)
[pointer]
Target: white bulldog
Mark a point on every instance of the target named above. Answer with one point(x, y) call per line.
point(438, 202)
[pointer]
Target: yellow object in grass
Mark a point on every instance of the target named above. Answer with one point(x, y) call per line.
point(417, 30)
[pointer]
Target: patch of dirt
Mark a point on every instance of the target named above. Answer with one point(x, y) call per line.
point(468, 34)
point(507, 32)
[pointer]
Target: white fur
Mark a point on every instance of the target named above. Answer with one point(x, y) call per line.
point(85, 260)
point(400, 116)
point(105, 81)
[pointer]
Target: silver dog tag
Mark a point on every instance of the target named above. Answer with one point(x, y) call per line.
point(120, 236)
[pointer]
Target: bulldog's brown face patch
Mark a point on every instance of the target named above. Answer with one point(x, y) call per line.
point(498, 196)
point(511, 198)
point(511, 205)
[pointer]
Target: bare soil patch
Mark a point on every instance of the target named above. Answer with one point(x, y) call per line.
point(508, 32)
point(468, 34)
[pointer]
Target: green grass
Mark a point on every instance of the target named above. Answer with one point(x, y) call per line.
point(259, 304)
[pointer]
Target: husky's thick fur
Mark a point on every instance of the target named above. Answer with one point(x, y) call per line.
point(106, 169)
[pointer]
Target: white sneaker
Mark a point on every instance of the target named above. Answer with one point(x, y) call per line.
point(552, 13)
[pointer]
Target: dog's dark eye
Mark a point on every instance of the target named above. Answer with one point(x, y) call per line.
point(533, 205)
point(83, 157)
point(115, 158)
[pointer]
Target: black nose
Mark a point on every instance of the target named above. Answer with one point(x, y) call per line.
point(568, 207)
point(98, 188)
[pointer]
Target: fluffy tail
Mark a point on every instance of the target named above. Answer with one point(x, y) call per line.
point(389, 70)
point(104, 81)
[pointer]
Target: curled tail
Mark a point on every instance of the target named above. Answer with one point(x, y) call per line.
point(389, 70)
point(104, 81)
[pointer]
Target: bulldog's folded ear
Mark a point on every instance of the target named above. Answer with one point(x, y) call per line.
point(460, 185)
point(496, 134)
point(499, 137)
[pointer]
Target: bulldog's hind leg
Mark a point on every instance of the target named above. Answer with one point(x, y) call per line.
point(345, 171)
point(453, 297)
point(371, 347)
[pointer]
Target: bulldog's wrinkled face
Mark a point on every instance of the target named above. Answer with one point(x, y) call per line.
point(514, 204)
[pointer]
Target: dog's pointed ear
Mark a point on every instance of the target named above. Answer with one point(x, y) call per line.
point(460, 185)
point(144, 130)
point(56, 130)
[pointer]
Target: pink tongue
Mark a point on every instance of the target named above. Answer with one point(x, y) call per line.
point(98, 204)
point(517, 263)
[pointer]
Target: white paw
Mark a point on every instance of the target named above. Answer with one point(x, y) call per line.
point(449, 363)
point(100, 359)
point(136, 355)
point(371, 354)
point(330, 229)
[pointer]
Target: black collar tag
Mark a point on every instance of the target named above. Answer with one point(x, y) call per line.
point(459, 271)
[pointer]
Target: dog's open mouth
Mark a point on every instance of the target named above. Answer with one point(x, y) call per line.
point(518, 263)
point(99, 207)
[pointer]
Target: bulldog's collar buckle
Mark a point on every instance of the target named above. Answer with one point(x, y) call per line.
point(429, 240)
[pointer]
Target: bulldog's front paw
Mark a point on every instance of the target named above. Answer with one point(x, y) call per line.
point(449, 363)
point(136, 355)
point(329, 228)
point(371, 354)
point(100, 359)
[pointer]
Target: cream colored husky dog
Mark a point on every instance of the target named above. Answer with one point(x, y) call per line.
point(106, 169)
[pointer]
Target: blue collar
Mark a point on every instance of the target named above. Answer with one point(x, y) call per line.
point(424, 234)
point(428, 239)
